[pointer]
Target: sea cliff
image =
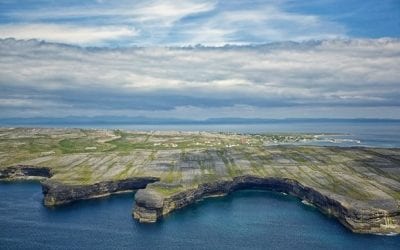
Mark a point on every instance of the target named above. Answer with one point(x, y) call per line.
point(56, 193)
point(360, 217)
point(25, 172)
point(359, 186)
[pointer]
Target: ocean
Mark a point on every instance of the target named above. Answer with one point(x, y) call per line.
point(248, 219)
point(243, 220)
point(368, 134)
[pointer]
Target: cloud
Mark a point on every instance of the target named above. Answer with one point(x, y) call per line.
point(169, 11)
point(67, 33)
point(166, 22)
point(100, 23)
point(166, 11)
point(264, 22)
point(337, 76)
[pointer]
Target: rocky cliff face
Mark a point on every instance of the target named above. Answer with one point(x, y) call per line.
point(360, 186)
point(56, 193)
point(362, 218)
point(25, 172)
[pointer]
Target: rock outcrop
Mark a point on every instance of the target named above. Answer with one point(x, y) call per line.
point(361, 217)
point(56, 193)
point(358, 185)
point(25, 172)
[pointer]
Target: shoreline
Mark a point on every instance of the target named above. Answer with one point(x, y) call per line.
point(151, 206)
point(358, 185)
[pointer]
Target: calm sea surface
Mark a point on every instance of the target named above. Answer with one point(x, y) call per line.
point(243, 220)
point(373, 134)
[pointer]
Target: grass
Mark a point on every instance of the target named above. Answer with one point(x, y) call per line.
point(174, 175)
point(233, 169)
point(124, 174)
point(84, 175)
point(168, 191)
point(317, 166)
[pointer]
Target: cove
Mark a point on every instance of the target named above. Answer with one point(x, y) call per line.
point(242, 220)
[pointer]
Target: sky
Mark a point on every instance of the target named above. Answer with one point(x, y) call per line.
point(199, 59)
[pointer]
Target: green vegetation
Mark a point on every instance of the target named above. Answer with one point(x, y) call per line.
point(167, 191)
point(184, 159)
point(78, 145)
point(173, 175)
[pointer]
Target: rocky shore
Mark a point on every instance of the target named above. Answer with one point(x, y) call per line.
point(25, 172)
point(56, 193)
point(360, 217)
point(357, 185)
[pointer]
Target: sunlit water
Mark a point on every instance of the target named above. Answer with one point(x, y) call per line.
point(243, 220)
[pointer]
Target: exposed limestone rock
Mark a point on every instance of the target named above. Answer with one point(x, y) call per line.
point(359, 186)
point(56, 193)
point(25, 172)
point(361, 217)
point(149, 205)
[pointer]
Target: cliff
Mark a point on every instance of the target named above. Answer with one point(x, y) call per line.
point(56, 193)
point(359, 186)
point(24, 172)
point(359, 217)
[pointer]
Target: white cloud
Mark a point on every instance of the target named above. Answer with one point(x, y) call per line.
point(339, 75)
point(169, 22)
point(67, 33)
point(267, 22)
point(169, 11)
point(119, 23)
point(136, 11)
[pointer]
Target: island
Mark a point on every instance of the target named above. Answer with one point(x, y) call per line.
point(360, 186)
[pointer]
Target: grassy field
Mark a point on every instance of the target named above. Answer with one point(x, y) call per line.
point(186, 159)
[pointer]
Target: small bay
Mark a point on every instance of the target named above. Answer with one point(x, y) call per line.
point(248, 219)
point(245, 219)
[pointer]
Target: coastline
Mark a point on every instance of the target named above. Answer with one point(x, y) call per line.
point(150, 206)
point(171, 170)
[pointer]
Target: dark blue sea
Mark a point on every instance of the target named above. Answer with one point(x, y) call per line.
point(243, 220)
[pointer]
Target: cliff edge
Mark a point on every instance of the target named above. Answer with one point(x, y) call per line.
point(359, 186)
